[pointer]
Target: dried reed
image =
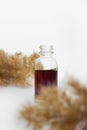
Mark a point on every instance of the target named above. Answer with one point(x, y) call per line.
point(16, 69)
point(55, 108)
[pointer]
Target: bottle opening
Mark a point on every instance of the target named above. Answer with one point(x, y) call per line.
point(46, 48)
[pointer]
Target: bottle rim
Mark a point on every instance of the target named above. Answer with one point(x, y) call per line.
point(46, 48)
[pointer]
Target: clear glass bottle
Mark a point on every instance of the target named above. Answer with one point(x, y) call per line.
point(45, 69)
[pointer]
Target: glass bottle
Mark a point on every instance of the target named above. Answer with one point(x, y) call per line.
point(45, 69)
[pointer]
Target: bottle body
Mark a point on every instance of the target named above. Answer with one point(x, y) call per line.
point(45, 71)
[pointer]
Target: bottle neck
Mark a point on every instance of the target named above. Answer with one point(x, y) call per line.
point(46, 54)
point(46, 51)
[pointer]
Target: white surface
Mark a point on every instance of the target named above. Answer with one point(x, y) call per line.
point(12, 99)
point(24, 25)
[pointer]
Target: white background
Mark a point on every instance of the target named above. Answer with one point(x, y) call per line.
point(25, 24)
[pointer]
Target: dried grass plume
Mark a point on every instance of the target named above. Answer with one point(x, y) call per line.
point(56, 109)
point(16, 69)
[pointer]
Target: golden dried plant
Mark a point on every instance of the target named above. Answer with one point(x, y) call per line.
point(16, 69)
point(56, 109)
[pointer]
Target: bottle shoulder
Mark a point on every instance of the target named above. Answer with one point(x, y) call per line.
point(44, 59)
point(47, 63)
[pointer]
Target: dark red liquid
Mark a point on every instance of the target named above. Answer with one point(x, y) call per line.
point(46, 78)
